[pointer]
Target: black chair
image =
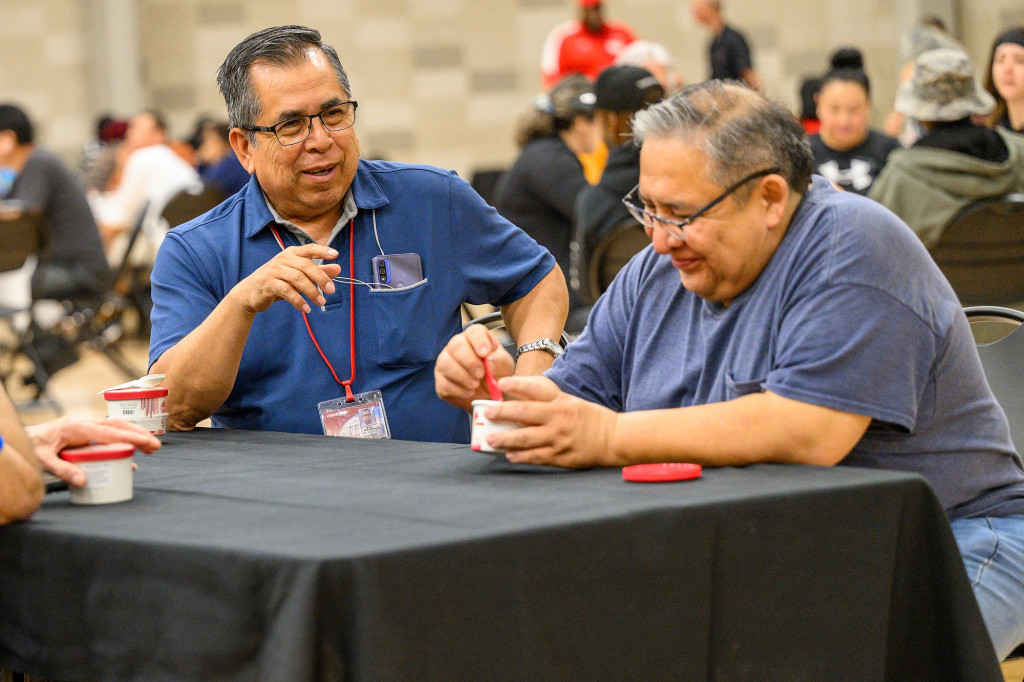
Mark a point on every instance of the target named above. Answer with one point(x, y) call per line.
point(1003, 361)
point(187, 205)
point(496, 324)
point(609, 255)
point(22, 235)
point(485, 182)
point(981, 251)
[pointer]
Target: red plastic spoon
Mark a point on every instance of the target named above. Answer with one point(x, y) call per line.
point(492, 385)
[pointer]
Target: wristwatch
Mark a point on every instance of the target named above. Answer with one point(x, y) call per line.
point(540, 344)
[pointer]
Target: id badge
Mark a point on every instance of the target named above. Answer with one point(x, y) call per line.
point(363, 417)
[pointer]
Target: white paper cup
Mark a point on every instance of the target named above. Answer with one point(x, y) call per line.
point(108, 471)
point(483, 427)
point(146, 407)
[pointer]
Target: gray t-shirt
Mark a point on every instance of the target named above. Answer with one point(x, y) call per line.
point(46, 184)
point(850, 313)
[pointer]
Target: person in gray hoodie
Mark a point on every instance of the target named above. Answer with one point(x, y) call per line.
point(956, 162)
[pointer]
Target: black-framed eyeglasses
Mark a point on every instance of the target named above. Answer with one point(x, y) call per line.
point(677, 228)
point(295, 130)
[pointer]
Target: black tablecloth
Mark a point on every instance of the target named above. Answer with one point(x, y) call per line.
point(248, 556)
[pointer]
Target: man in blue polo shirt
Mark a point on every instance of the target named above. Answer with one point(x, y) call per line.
point(773, 319)
point(267, 307)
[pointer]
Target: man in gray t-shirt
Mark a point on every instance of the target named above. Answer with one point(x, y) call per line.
point(811, 327)
point(74, 265)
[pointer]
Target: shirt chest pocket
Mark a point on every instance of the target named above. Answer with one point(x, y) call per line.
point(407, 328)
point(737, 389)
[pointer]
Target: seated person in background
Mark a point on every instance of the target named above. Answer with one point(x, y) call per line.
point(74, 265)
point(845, 150)
point(219, 166)
point(771, 320)
point(583, 45)
point(99, 156)
point(153, 173)
point(957, 161)
point(1004, 80)
point(538, 193)
point(621, 91)
point(23, 451)
point(842, 58)
point(248, 323)
point(929, 34)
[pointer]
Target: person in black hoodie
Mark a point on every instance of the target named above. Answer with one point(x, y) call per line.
point(620, 92)
point(538, 193)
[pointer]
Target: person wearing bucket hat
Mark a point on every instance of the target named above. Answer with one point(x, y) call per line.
point(538, 192)
point(621, 91)
point(956, 161)
point(1004, 80)
point(583, 45)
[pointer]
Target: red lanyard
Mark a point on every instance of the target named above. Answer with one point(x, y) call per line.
point(349, 397)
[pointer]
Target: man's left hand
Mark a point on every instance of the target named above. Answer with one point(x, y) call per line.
point(51, 437)
point(559, 429)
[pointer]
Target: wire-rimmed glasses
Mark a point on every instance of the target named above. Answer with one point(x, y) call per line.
point(677, 228)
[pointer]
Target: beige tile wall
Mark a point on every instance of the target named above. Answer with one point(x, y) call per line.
point(439, 81)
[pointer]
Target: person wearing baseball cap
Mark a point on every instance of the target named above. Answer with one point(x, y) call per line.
point(584, 45)
point(620, 92)
point(956, 161)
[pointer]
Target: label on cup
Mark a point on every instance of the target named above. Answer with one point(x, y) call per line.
point(99, 474)
point(483, 427)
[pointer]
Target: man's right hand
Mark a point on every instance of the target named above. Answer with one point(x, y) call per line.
point(289, 276)
point(459, 370)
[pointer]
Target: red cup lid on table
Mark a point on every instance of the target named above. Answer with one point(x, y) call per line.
point(98, 452)
point(662, 471)
point(135, 393)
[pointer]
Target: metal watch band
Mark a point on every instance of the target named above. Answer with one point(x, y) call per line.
point(540, 344)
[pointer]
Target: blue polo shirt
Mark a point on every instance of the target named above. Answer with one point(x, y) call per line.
point(469, 253)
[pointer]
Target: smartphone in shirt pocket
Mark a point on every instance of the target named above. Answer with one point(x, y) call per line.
point(396, 270)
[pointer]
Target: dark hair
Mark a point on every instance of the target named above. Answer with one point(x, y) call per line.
point(15, 119)
point(847, 58)
point(555, 111)
point(847, 76)
point(280, 46)
point(738, 129)
point(1010, 35)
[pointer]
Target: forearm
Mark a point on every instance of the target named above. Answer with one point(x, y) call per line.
point(757, 428)
point(201, 368)
point(21, 485)
point(539, 314)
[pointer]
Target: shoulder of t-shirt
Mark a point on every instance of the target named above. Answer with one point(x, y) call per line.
point(882, 142)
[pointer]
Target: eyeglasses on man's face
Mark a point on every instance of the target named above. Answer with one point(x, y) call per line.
point(295, 130)
point(677, 228)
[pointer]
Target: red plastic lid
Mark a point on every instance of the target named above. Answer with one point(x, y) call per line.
point(135, 393)
point(652, 473)
point(98, 452)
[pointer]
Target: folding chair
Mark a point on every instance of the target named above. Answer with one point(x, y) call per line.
point(1003, 362)
point(981, 251)
point(22, 236)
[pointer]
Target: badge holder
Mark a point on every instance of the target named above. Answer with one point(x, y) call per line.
point(363, 417)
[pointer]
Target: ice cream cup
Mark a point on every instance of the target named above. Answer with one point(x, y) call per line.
point(108, 471)
point(146, 407)
point(483, 427)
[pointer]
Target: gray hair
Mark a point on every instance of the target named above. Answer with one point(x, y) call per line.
point(279, 46)
point(739, 131)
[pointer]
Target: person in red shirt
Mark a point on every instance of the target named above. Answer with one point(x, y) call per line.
point(585, 45)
